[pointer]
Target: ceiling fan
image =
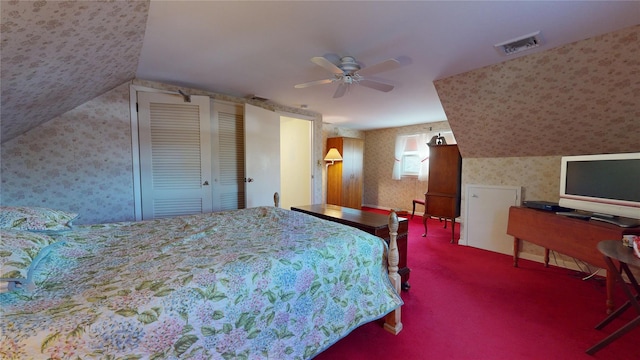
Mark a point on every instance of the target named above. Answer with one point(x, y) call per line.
point(349, 72)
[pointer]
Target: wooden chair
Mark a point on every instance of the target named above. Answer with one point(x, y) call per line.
point(421, 202)
point(416, 201)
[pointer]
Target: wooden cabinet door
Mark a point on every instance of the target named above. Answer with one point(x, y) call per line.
point(344, 178)
point(352, 176)
point(444, 169)
point(334, 174)
point(443, 194)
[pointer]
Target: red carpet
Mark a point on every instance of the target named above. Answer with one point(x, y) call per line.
point(467, 303)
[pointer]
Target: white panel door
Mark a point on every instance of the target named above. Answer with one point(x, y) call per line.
point(486, 216)
point(262, 155)
point(175, 155)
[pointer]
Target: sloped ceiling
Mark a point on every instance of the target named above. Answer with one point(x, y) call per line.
point(582, 98)
point(57, 55)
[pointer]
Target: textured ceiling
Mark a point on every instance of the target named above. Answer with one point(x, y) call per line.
point(57, 55)
point(582, 98)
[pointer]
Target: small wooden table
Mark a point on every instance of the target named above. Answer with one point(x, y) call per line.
point(569, 236)
point(614, 250)
point(369, 222)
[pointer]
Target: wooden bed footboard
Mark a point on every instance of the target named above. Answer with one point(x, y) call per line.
point(392, 322)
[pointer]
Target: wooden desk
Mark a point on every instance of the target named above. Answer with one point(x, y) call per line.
point(372, 223)
point(573, 237)
point(614, 250)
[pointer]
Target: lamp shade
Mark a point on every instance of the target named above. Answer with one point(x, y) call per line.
point(333, 155)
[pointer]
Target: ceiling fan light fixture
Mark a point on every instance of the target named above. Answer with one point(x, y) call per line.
point(349, 65)
point(349, 72)
point(519, 44)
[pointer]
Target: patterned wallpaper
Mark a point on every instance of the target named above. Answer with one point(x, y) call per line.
point(57, 55)
point(79, 161)
point(539, 177)
point(318, 140)
point(580, 98)
point(511, 120)
point(379, 189)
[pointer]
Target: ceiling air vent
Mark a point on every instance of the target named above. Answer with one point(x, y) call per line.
point(257, 98)
point(517, 45)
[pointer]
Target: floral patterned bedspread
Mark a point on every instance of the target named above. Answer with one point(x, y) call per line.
point(259, 283)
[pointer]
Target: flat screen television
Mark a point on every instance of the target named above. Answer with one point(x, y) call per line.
point(607, 185)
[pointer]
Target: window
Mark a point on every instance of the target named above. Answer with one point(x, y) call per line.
point(410, 161)
point(412, 154)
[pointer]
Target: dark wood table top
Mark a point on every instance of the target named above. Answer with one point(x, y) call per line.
point(617, 251)
point(355, 216)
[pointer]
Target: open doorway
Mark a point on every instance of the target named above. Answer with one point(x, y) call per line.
point(296, 162)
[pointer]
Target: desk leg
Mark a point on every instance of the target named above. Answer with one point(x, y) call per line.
point(424, 223)
point(633, 300)
point(611, 281)
point(516, 251)
point(546, 257)
point(453, 228)
point(606, 341)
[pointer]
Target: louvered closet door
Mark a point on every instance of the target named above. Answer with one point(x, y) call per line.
point(175, 155)
point(228, 124)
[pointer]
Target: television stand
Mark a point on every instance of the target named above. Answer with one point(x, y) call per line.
point(575, 215)
point(616, 220)
point(573, 237)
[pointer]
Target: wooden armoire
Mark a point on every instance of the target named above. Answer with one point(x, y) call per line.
point(442, 198)
point(344, 178)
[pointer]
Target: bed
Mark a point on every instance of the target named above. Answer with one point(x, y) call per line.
point(255, 283)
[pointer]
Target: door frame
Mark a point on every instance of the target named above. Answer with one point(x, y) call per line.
point(135, 143)
point(316, 166)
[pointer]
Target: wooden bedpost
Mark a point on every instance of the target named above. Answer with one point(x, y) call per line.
point(392, 322)
point(276, 199)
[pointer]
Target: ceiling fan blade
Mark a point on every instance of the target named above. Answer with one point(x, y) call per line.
point(376, 85)
point(342, 88)
point(321, 61)
point(316, 82)
point(380, 67)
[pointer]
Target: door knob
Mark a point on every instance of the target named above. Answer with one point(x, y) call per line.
point(205, 183)
point(250, 180)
